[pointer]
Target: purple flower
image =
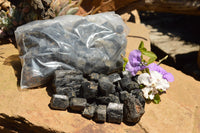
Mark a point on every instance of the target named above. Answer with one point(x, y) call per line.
point(168, 76)
point(135, 64)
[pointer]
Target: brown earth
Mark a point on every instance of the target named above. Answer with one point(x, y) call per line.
point(178, 112)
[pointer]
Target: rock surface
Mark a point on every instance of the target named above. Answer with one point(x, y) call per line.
point(174, 35)
point(177, 112)
point(190, 7)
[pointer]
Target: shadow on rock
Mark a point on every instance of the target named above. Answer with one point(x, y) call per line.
point(184, 26)
point(4, 41)
point(15, 62)
point(19, 124)
point(187, 63)
point(8, 41)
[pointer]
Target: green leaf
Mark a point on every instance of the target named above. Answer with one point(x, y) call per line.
point(142, 59)
point(151, 55)
point(141, 45)
point(125, 62)
point(141, 86)
point(151, 60)
point(142, 50)
point(156, 99)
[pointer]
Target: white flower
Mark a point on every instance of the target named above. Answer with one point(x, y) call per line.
point(152, 83)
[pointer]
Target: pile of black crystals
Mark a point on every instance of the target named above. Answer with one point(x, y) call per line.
point(112, 98)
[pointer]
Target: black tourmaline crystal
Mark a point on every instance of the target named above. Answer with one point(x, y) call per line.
point(115, 112)
point(77, 104)
point(89, 111)
point(100, 113)
point(133, 109)
point(113, 98)
point(106, 87)
point(89, 90)
point(60, 102)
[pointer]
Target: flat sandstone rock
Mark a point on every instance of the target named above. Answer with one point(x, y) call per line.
point(177, 112)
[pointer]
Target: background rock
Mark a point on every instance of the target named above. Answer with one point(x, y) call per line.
point(171, 6)
point(176, 36)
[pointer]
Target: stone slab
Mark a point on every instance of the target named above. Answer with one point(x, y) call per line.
point(177, 112)
point(176, 36)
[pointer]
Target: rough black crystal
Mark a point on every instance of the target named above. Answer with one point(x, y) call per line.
point(133, 109)
point(78, 104)
point(60, 102)
point(89, 111)
point(100, 113)
point(115, 112)
point(106, 87)
point(128, 85)
point(89, 90)
point(107, 99)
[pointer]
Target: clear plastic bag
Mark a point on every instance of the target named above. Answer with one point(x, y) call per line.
point(91, 44)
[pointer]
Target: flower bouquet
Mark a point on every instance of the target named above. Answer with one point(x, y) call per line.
point(152, 78)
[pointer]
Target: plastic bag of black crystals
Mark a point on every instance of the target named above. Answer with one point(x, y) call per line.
point(91, 44)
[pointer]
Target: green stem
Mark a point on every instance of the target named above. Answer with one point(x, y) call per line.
point(159, 62)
